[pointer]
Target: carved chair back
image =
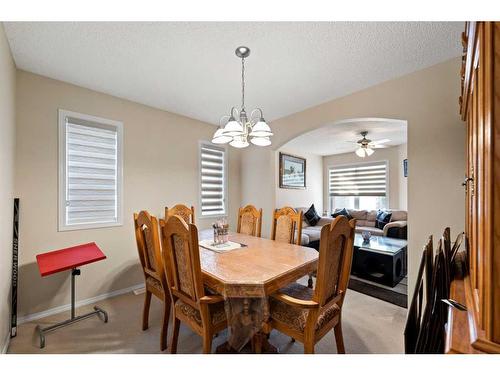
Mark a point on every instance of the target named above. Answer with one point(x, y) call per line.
point(287, 225)
point(250, 221)
point(181, 210)
point(335, 259)
point(181, 254)
point(148, 246)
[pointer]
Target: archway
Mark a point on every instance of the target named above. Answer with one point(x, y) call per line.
point(326, 153)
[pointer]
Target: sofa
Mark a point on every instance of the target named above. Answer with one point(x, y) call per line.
point(365, 221)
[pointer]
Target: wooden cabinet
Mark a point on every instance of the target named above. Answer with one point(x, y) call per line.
point(478, 329)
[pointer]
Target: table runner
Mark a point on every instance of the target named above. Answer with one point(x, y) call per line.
point(246, 277)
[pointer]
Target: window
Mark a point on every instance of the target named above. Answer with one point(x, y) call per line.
point(360, 186)
point(212, 180)
point(90, 171)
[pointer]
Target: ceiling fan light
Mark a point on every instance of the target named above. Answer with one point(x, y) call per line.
point(261, 141)
point(369, 151)
point(360, 152)
point(239, 142)
point(233, 128)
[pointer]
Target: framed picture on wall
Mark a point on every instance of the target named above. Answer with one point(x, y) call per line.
point(405, 167)
point(292, 173)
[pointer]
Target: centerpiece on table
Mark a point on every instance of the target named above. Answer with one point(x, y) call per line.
point(221, 229)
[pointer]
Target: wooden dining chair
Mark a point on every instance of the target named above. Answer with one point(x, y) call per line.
point(181, 210)
point(148, 246)
point(249, 221)
point(307, 315)
point(202, 312)
point(287, 225)
point(415, 312)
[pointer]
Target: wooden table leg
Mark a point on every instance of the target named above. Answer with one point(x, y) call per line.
point(259, 344)
point(246, 317)
point(225, 348)
point(262, 344)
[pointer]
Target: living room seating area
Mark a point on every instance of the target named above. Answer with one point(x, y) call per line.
point(365, 222)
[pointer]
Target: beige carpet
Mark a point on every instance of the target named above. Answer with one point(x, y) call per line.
point(370, 326)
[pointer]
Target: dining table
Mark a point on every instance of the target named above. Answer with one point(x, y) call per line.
point(246, 277)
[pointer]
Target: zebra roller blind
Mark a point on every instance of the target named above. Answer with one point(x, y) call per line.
point(212, 188)
point(359, 180)
point(92, 173)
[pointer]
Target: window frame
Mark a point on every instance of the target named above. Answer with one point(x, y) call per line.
point(62, 168)
point(223, 148)
point(387, 178)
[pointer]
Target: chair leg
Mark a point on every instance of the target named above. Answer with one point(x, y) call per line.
point(207, 342)
point(164, 326)
point(175, 335)
point(339, 339)
point(145, 311)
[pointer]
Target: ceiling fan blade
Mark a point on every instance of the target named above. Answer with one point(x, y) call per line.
point(378, 146)
point(385, 140)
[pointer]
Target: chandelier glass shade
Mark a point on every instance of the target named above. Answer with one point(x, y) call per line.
point(240, 130)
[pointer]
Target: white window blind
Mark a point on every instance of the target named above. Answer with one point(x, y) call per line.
point(369, 180)
point(213, 178)
point(91, 172)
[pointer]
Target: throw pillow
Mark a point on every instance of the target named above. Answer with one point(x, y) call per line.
point(342, 212)
point(312, 216)
point(383, 218)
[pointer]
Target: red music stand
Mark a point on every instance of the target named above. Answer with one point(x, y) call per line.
point(69, 259)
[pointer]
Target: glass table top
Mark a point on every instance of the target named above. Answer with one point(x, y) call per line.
point(380, 244)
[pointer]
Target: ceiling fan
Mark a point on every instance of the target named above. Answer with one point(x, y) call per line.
point(366, 145)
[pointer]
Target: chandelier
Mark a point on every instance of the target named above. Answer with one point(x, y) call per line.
point(240, 128)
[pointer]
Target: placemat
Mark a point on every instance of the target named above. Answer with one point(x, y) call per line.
point(222, 248)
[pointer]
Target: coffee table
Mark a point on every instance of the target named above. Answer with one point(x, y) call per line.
point(382, 259)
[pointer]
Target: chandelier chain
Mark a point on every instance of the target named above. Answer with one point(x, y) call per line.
point(243, 83)
point(241, 128)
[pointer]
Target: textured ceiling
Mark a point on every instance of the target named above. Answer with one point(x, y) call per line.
point(190, 68)
point(337, 138)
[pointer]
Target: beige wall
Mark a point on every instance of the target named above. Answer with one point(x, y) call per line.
point(7, 143)
point(403, 181)
point(160, 168)
point(313, 193)
point(428, 100)
point(258, 182)
point(391, 155)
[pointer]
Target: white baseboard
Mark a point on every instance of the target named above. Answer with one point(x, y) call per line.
point(6, 343)
point(140, 291)
point(88, 301)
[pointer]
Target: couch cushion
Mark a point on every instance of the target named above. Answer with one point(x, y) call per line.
point(365, 223)
point(304, 221)
point(374, 231)
point(311, 215)
point(399, 215)
point(383, 217)
point(324, 221)
point(314, 233)
point(304, 239)
point(371, 217)
point(343, 212)
point(358, 214)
